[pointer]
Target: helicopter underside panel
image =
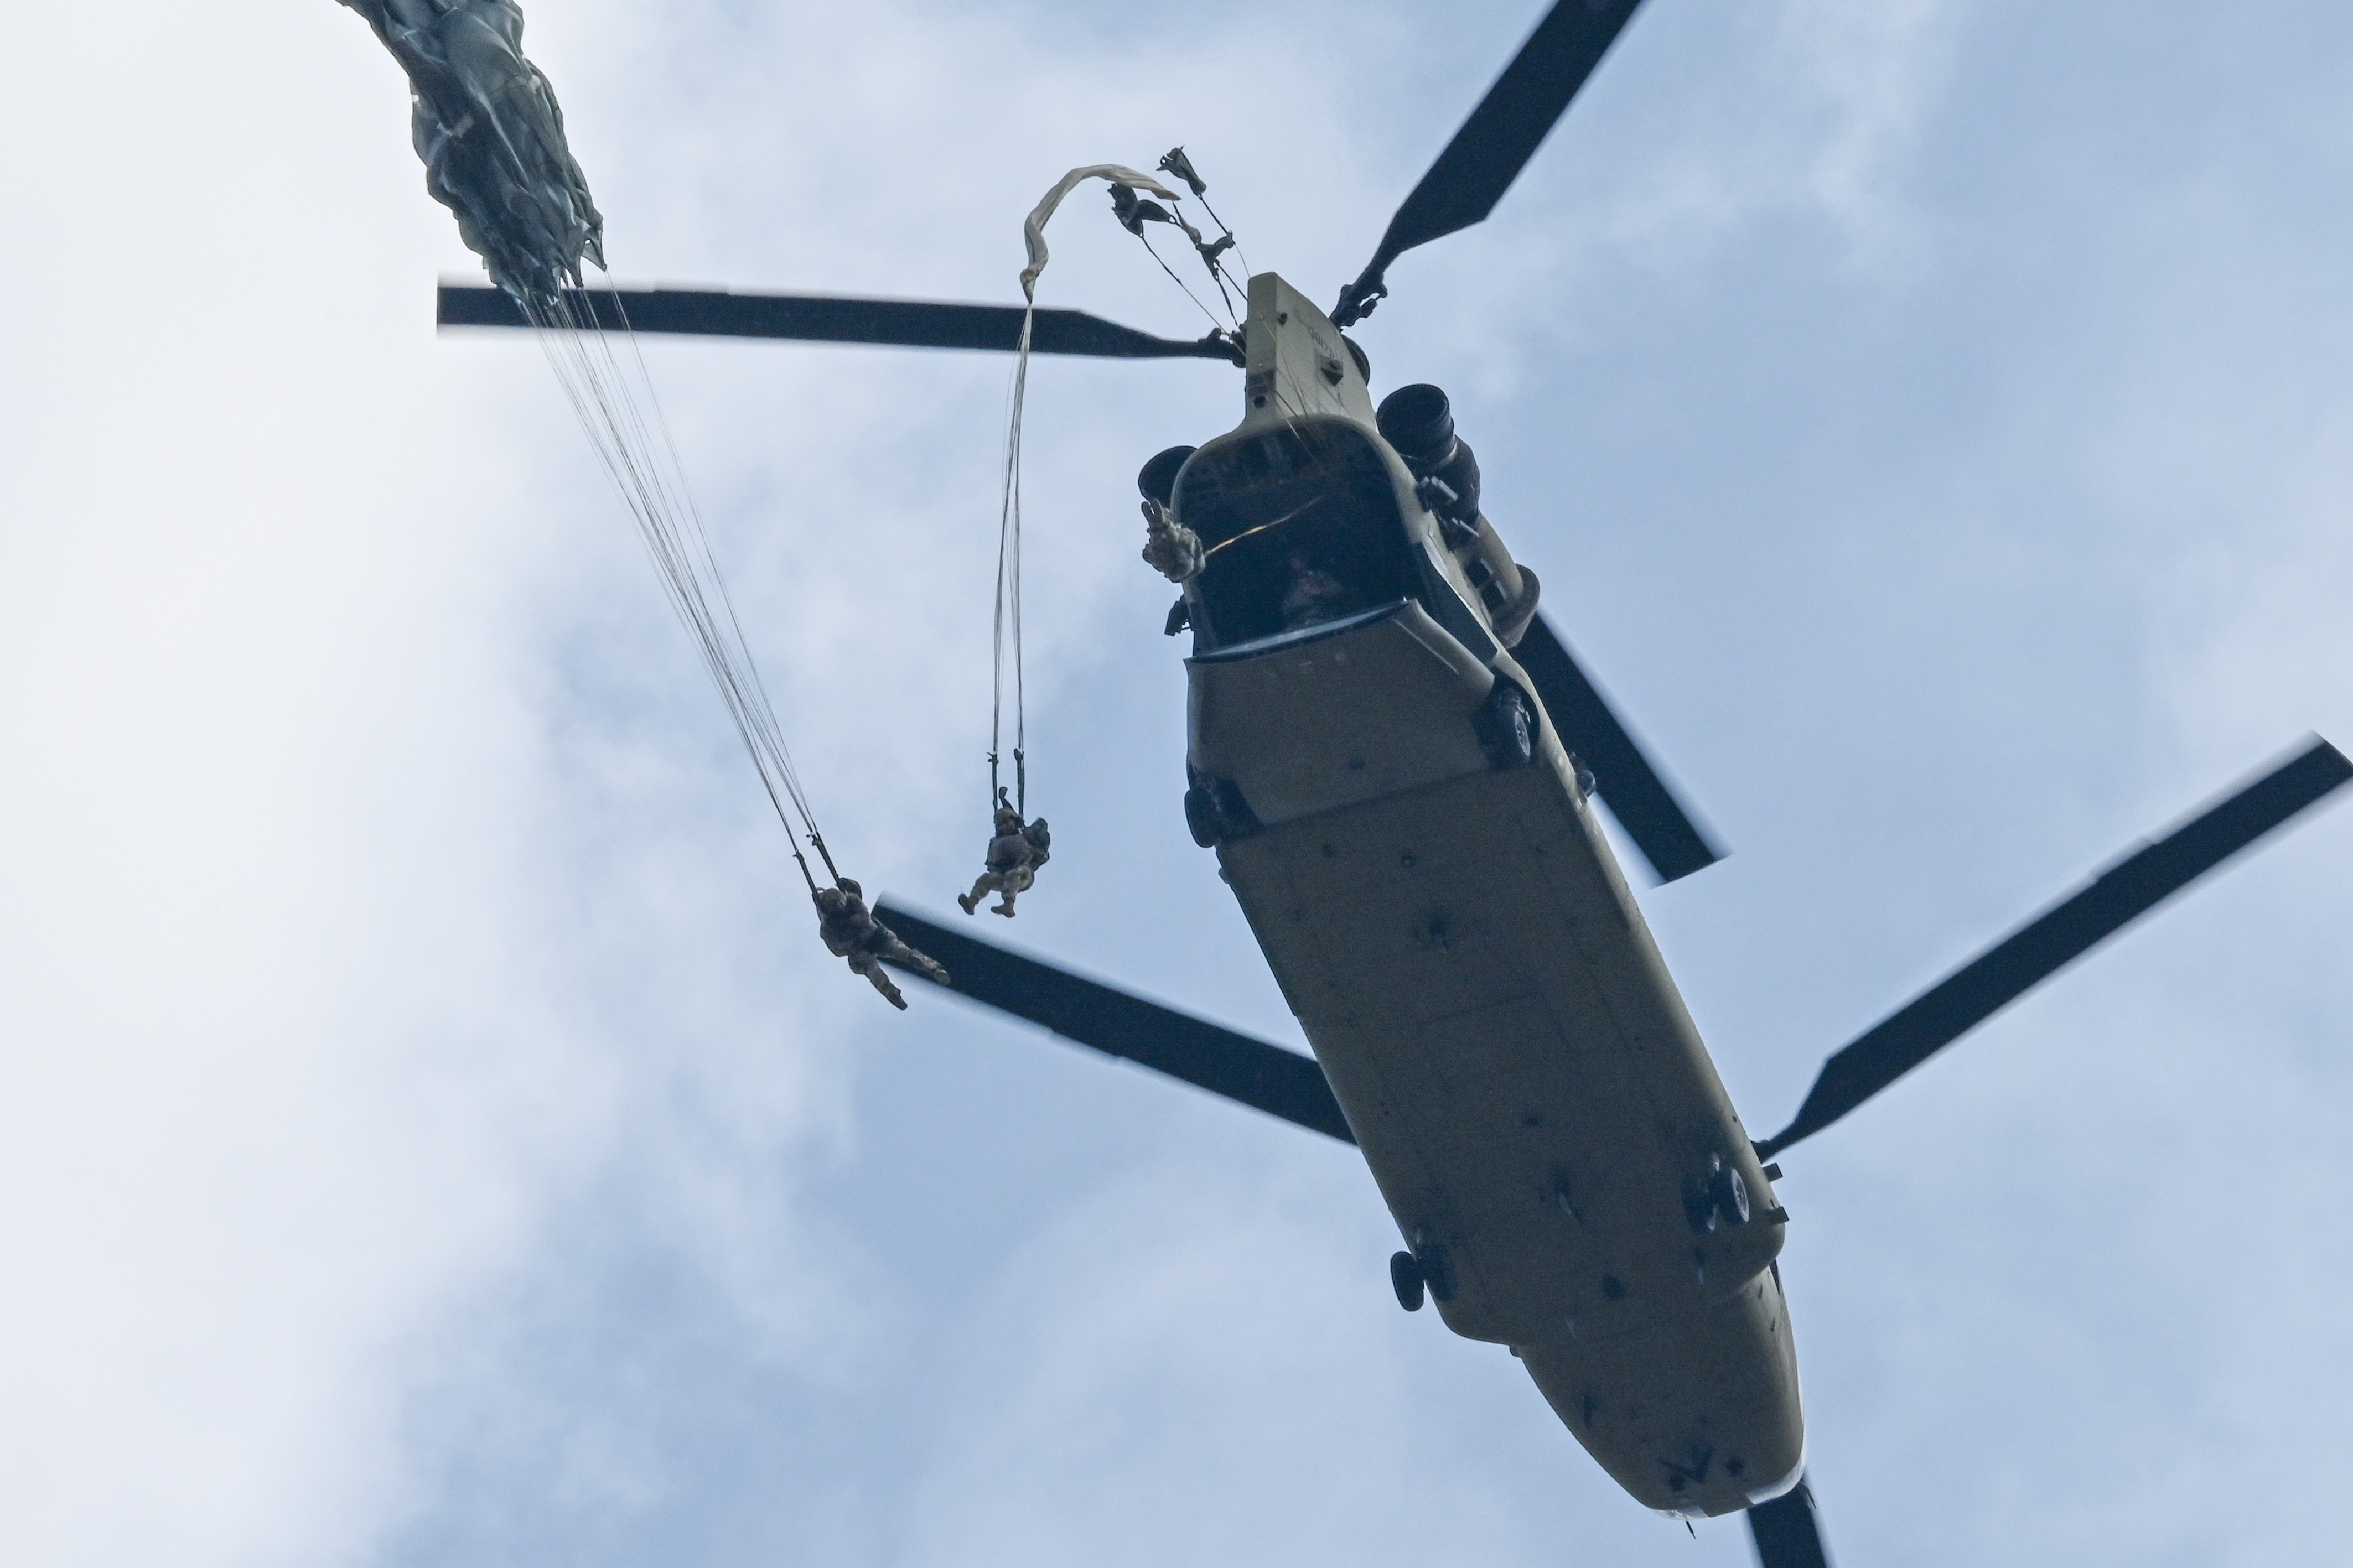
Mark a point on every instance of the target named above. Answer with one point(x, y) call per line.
point(1351, 710)
point(1537, 1107)
point(1699, 1417)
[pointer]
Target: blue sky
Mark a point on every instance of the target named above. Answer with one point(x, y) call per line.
point(430, 1133)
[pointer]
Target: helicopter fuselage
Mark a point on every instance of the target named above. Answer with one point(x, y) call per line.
point(1418, 857)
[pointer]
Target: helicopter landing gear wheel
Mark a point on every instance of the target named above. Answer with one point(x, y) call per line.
point(1719, 1198)
point(1215, 811)
point(1507, 728)
point(1405, 1278)
point(1730, 1196)
point(1201, 817)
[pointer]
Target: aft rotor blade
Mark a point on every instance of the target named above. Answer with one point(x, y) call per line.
point(1501, 134)
point(1267, 1078)
point(1787, 1533)
point(2117, 898)
point(1635, 792)
point(830, 318)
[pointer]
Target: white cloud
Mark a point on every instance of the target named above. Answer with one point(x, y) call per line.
point(427, 1132)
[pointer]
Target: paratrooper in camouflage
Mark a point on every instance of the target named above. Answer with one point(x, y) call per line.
point(1015, 853)
point(850, 932)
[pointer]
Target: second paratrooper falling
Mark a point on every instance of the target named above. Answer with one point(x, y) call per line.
point(1015, 852)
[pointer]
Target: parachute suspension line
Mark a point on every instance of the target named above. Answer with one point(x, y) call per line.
point(761, 706)
point(1217, 276)
point(1174, 163)
point(1005, 632)
point(1226, 229)
point(632, 439)
point(1222, 326)
point(1008, 593)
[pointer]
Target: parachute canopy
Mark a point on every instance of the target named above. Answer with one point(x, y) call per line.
point(487, 125)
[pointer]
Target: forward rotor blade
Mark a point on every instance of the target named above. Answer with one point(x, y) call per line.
point(1785, 1532)
point(2026, 958)
point(829, 319)
point(1496, 143)
point(1267, 1078)
point(1636, 793)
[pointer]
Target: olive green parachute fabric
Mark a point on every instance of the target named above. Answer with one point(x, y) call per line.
point(487, 125)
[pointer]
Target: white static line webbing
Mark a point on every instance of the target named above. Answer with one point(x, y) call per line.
point(1006, 624)
point(1008, 595)
point(1033, 227)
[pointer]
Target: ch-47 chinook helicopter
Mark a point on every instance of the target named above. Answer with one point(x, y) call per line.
point(1398, 782)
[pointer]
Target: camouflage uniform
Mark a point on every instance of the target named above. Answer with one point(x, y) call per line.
point(1013, 856)
point(850, 932)
point(1170, 548)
